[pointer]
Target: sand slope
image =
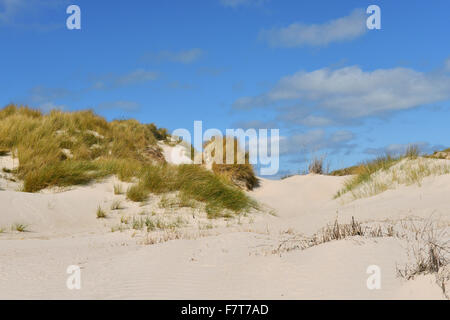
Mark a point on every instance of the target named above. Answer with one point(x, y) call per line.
point(227, 265)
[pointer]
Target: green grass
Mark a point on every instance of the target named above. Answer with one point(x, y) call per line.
point(409, 172)
point(239, 174)
point(98, 147)
point(363, 173)
point(193, 183)
point(138, 193)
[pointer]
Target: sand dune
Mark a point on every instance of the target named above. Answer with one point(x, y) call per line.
point(229, 263)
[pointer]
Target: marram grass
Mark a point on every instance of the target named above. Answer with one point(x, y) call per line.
point(61, 149)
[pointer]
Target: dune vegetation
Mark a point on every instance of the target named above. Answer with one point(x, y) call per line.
point(240, 172)
point(60, 149)
point(380, 174)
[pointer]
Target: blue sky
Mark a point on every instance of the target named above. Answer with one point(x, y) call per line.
point(310, 68)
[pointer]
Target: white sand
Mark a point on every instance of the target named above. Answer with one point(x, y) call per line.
point(178, 154)
point(227, 264)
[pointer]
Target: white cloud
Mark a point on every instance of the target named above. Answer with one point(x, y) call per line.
point(447, 64)
point(298, 34)
point(28, 13)
point(137, 76)
point(399, 148)
point(238, 3)
point(123, 105)
point(350, 93)
point(318, 140)
point(184, 56)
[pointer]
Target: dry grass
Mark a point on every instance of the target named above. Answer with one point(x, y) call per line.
point(332, 232)
point(427, 243)
point(428, 246)
point(316, 166)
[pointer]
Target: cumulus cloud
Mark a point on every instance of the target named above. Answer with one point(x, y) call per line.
point(184, 56)
point(351, 93)
point(123, 105)
point(447, 65)
point(28, 13)
point(239, 3)
point(138, 76)
point(399, 148)
point(318, 140)
point(299, 34)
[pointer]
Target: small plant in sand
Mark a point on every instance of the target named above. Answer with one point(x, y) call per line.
point(137, 193)
point(101, 214)
point(116, 205)
point(137, 223)
point(118, 189)
point(19, 227)
point(151, 226)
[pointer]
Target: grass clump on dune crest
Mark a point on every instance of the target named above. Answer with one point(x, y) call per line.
point(239, 171)
point(192, 182)
point(379, 175)
point(62, 149)
point(69, 148)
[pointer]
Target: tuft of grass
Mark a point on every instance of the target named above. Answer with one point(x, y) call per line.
point(332, 232)
point(137, 223)
point(118, 189)
point(138, 193)
point(20, 227)
point(193, 183)
point(124, 220)
point(116, 205)
point(236, 170)
point(316, 166)
point(202, 185)
point(412, 152)
point(428, 247)
point(101, 214)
